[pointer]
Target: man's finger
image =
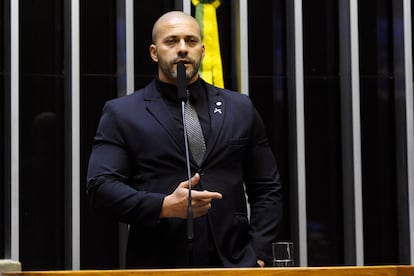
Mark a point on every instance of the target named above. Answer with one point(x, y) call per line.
point(206, 195)
point(194, 181)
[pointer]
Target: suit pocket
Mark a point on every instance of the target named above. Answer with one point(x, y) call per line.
point(241, 230)
point(236, 149)
point(242, 141)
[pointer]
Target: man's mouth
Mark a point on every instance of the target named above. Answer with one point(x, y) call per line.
point(185, 61)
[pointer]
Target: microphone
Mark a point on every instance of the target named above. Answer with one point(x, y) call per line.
point(182, 96)
point(181, 82)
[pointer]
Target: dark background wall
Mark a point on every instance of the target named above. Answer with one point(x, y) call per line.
point(45, 111)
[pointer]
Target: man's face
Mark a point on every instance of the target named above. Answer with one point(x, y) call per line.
point(177, 40)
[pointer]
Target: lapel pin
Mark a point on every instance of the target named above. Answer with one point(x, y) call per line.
point(217, 110)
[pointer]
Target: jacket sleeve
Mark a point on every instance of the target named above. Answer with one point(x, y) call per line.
point(108, 187)
point(263, 189)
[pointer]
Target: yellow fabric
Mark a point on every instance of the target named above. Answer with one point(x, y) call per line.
point(211, 68)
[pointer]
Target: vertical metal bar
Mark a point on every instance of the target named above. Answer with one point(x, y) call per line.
point(300, 133)
point(356, 123)
point(75, 134)
point(244, 46)
point(14, 118)
point(241, 40)
point(401, 141)
point(408, 257)
point(126, 83)
point(351, 144)
point(347, 133)
point(409, 117)
point(346, 130)
point(125, 47)
point(186, 4)
point(6, 112)
point(121, 51)
point(129, 27)
point(297, 122)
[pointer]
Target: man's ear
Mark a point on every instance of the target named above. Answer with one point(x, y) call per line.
point(153, 52)
point(203, 52)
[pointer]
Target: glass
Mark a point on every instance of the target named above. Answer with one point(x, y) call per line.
point(282, 254)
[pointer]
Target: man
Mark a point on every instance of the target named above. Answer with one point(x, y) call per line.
point(137, 170)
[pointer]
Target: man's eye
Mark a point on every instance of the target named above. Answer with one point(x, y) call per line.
point(192, 41)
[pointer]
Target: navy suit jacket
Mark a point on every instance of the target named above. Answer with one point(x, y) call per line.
point(138, 158)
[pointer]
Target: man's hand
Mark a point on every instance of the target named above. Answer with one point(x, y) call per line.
point(261, 263)
point(175, 204)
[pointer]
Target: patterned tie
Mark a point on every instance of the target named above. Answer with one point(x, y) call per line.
point(194, 132)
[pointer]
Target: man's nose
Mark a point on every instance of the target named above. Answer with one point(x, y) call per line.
point(182, 46)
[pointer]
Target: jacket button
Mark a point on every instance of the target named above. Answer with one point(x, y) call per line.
point(201, 172)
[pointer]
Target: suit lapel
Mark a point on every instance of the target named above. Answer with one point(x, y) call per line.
point(217, 110)
point(157, 107)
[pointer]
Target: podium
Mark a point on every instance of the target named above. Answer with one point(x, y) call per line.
point(291, 271)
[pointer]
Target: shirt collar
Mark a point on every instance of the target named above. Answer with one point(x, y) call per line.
point(169, 91)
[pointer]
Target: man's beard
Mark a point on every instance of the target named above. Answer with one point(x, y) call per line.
point(171, 69)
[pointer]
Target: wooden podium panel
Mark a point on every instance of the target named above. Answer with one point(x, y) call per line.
point(301, 271)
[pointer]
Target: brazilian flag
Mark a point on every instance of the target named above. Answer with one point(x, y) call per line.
point(211, 68)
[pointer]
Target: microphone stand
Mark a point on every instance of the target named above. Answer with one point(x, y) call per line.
point(182, 96)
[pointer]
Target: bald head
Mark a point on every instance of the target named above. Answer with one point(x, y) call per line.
point(172, 18)
point(177, 38)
